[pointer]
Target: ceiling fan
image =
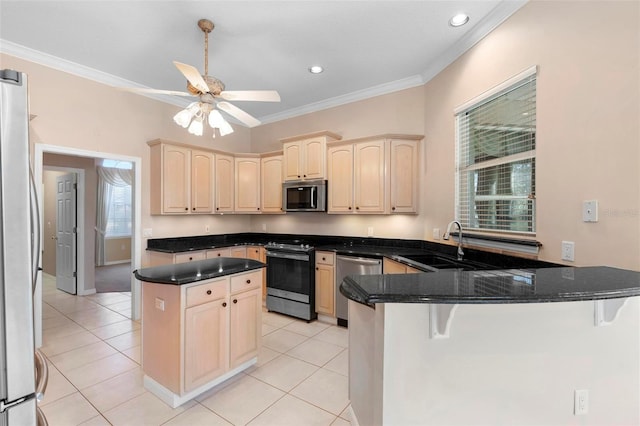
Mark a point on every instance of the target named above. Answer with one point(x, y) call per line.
point(212, 96)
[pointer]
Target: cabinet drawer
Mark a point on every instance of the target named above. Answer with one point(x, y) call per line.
point(204, 293)
point(246, 281)
point(325, 257)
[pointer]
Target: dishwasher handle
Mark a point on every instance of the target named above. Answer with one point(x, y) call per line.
point(360, 260)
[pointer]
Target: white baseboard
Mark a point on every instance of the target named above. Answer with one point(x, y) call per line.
point(115, 262)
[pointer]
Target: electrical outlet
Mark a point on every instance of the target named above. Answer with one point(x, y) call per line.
point(159, 304)
point(436, 233)
point(147, 232)
point(370, 231)
point(590, 211)
point(580, 401)
point(568, 251)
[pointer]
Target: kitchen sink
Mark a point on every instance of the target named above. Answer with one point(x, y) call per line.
point(438, 262)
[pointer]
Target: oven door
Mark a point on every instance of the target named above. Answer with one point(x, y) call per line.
point(289, 272)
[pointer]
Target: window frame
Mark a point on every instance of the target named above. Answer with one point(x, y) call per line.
point(528, 155)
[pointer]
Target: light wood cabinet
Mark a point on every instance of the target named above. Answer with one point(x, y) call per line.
point(181, 179)
point(224, 183)
point(157, 258)
point(259, 253)
point(392, 267)
point(304, 156)
point(197, 335)
point(404, 176)
point(325, 283)
point(247, 185)
point(271, 184)
point(240, 251)
point(223, 252)
point(356, 174)
point(366, 174)
point(189, 256)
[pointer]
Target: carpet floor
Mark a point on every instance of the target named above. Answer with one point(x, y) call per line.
point(113, 278)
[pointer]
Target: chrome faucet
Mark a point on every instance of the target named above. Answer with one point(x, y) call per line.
point(446, 237)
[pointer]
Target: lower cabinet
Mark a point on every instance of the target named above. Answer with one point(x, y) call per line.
point(195, 335)
point(392, 267)
point(325, 283)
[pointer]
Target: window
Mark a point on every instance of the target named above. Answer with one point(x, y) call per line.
point(496, 158)
point(119, 219)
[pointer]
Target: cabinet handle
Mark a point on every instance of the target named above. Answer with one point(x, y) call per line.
point(298, 175)
point(224, 304)
point(235, 300)
point(324, 258)
point(357, 208)
point(258, 208)
point(186, 209)
point(191, 258)
point(219, 254)
point(317, 269)
point(304, 175)
point(349, 207)
point(217, 208)
point(209, 292)
point(393, 208)
point(248, 281)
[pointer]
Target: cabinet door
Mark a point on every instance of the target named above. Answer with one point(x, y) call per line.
point(369, 177)
point(175, 179)
point(238, 252)
point(245, 326)
point(205, 343)
point(325, 289)
point(340, 176)
point(253, 252)
point(404, 176)
point(247, 197)
point(225, 252)
point(201, 182)
point(189, 256)
point(224, 183)
point(292, 156)
point(314, 153)
point(392, 267)
point(271, 184)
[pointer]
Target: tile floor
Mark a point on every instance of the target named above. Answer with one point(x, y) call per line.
point(95, 378)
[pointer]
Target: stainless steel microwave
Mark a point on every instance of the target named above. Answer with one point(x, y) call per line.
point(305, 196)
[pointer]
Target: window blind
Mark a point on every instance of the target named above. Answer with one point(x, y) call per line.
point(496, 160)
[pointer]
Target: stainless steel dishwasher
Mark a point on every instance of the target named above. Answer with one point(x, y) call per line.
point(350, 265)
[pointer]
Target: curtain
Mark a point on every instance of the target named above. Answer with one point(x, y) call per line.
point(108, 178)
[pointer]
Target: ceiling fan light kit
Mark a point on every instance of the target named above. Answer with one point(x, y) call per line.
point(210, 90)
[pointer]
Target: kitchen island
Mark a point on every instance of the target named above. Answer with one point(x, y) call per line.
point(490, 347)
point(201, 324)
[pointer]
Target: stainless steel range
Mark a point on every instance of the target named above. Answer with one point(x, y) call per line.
point(291, 279)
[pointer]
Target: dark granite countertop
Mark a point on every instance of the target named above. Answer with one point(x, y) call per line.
point(189, 272)
point(562, 284)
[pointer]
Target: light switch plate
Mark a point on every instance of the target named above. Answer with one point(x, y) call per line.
point(147, 232)
point(568, 251)
point(590, 211)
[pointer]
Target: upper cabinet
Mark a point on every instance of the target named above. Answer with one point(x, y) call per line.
point(225, 165)
point(305, 155)
point(376, 175)
point(247, 191)
point(271, 183)
point(181, 179)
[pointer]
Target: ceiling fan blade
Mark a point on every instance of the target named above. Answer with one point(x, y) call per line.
point(158, 91)
point(251, 95)
point(239, 114)
point(193, 75)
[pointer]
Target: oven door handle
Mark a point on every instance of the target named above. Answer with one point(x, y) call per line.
point(313, 197)
point(293, 256)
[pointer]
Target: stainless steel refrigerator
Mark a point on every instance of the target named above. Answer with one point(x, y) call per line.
point(20, 366)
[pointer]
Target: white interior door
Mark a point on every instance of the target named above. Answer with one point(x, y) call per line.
point(66, 233)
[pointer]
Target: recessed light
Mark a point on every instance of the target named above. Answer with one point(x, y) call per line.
point(459, 20)
point(316, 69)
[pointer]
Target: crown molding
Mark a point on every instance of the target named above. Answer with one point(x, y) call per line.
point(490, 22)
point(31, 55)
point(381, 89)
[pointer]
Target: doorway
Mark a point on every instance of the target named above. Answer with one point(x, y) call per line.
point(84, 258)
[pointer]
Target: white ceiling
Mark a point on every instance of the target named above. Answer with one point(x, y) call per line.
point(366, 47)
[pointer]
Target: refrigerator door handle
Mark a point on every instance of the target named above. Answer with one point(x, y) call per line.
point(35, 227)
point(42, 375)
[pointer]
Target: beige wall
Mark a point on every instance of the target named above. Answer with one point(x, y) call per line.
point(117, 249)
point(588, 131)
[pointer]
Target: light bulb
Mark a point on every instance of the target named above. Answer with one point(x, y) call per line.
point(225, 128)
point(183, 118)
point(196, 126)
point(215, 118)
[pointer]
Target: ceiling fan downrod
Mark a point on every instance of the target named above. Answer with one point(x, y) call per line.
point(206, 26)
